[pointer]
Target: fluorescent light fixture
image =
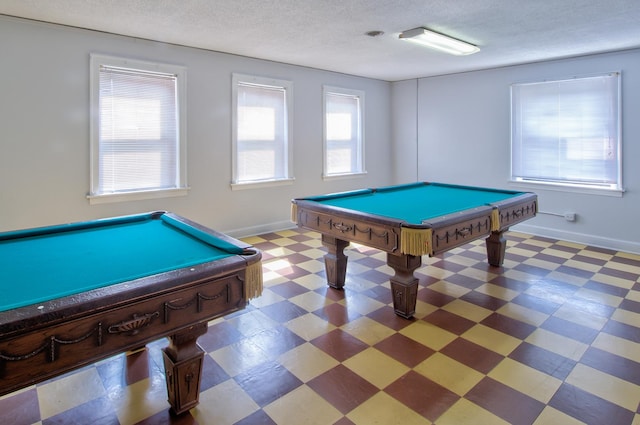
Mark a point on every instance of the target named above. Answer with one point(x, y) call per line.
point(438, 41)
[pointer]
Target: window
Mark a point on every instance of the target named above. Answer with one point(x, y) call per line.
point(343, 132)
point(138, 137)
point(262, 151)
point(567, 132)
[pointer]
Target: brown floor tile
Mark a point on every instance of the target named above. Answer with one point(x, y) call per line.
point(343, 388)
point(283, 311)
point(483, 300)
point(434, 298)
point(570, 329)
point(543, 360)
point(613, 365)
point(505, 402)
point(20, 408)
point(508, 325)
point(472, 355)
point(449, 321)
point(588, 408)
point(336, 314)
point(622, 330)
point(339, 344)
point(404, 349)
point(424, 396)
point(267, 382)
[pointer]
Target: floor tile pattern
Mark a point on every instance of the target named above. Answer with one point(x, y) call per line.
point(552, 337)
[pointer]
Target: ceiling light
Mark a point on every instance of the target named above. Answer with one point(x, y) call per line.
point(438, 41)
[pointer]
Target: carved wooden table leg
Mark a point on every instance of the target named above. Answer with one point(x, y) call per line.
point(404, 286)
point(335, 262)
point(183, 359)
point(496, 246)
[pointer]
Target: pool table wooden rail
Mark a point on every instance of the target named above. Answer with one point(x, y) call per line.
point(44, 340)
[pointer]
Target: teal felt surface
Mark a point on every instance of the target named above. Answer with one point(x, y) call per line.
point(415, 203)
point(68, 260)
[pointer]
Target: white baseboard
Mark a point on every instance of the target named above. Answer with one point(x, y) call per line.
point(259, 230)
point(581, 238)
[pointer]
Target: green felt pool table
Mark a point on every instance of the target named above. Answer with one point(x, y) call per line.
point(409, 221)
point(76, 293)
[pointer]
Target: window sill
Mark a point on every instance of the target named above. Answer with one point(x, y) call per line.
point(558, 187)
point(108, 198)
point(261, 184)
point(343, 176)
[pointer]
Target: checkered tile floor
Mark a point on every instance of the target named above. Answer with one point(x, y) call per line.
point(553, 337)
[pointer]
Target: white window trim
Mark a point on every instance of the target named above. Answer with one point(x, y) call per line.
point(94, 98)
point(348, 92)
point(532, 184)
point(237, 78)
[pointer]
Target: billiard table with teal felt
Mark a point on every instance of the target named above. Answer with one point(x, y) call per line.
point(76, 293)
point(409, 221)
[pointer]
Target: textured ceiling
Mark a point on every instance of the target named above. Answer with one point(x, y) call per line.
point(330, 34)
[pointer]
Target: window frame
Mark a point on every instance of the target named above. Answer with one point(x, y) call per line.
point(181, 189)
point(614, 189)
point(287, 86)
point(360, 94)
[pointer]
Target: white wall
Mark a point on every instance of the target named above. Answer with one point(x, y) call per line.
point(44, 131)
point(463, 135)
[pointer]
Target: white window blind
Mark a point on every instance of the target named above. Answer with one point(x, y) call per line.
point(138, 147)
point(567, 132)
point(262, 149)
point(343, 131)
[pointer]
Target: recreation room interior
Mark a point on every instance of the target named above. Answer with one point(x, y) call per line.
point(550, 336)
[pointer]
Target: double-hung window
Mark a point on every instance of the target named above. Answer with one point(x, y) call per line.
point(262, 149)
point(343, 132)
point(566, 133)
point(138, 137)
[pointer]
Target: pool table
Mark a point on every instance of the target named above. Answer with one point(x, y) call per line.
point(409, 221)
point(76, 293)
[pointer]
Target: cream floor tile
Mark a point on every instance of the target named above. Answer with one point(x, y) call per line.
point(558, 344)
point(449, 373)
point(633, 296)
point(368, 330)
point(612, 280)
point(492, 339)
point(309, 326)
point(449, 288)
point(594, 268)
point(523, 314)
point(224, 404)
point(312, 266)
point(140, 400)
point(557, 253)
point(467, 310)
point(583, 318)
point(311, 281)
point(376, 367)
point(307, 361)
point(547, 265)
point(518, 275)
point(268, 297)
point(551, 416)
point(429, 335)
point(627, 317)
point(302, 406)
point(525, 379)
point(365, 305)
point(475, 273)
point(619, 346)
point(599, 297)
point(496, 291)
point(69, 391)
point(464, 412)
point(616, 390)
point(311, 301)
point(384, 409)
point(567, 278)
point(234, 361)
